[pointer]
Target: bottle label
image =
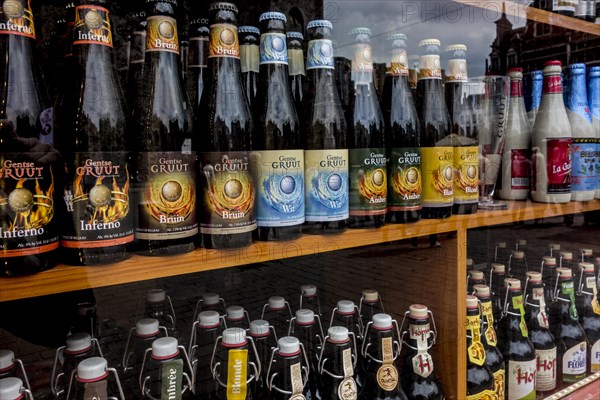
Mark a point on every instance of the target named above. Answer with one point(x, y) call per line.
point(595, 352)
point(95, 390)
point(466, 178)
point(585, 8)
point(326, 183)
point(362, 60)
point(279, 183)
point(545, 379)
point(167, 203)
point(16, 19)
point(273, 48)
point(590, 283)
point(92, 26)
point(516, 88)
point(490, 333)
point(484, 395)
point(227, 193)
point(387, 374)
point(405, 184)
point(198, 52)
point(296, 62)
point(172, 380)
point(517, 303)
point(347, 389)
point(430, 67)
point(585, 158)
point(552, 84)
point(558, 165)
point(224, 41)
point(249, 58)
point(161, 34)
point(568, 290)
point(368, 181)
point(574, 363)
point(456, 71)
point(422, 362)
point(521, 380)
point(564, 5)
point(398, 65)
point(237, 374)
point(138, 47)
point(542, 317)
point(97, 201)
point(520, 168)
point(438, 174)
point(475, 351)
point(297, 385)
point(320, 54)
point(413, 77)
point(27, 210)
point(499, 384)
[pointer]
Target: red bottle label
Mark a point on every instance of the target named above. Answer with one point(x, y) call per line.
point(552, 84)
point(520, 169)
point(16, 19)
point(558, 165)
point(516, 88)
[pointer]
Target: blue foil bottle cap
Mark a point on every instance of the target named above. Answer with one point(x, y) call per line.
point(272, 15)
point(319, 23)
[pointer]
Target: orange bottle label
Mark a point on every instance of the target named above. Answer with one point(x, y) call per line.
point(224, 41)
point(161, 34)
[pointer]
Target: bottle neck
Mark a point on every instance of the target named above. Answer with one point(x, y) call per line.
point(419, 335)
point(552, 85)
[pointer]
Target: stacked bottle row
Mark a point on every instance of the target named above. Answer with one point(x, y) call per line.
point(279, 356)
point(532, 332)
point(587, 10)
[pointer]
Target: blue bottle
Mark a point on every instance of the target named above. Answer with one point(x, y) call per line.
point(534, 95)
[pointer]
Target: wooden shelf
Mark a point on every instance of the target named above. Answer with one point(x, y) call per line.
point(138, 268)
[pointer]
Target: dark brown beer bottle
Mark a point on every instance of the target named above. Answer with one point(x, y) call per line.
point(162, 144)
point(137, 56)
point(480, 380)
point(227, 192)
point(337, 365)
point(91, 126)
point(297, 72)
point(249, 59)
point(197, 61)
point(590, 314)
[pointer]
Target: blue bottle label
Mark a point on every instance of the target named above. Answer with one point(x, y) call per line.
point(576, 99)
point(585, 160)
point(320, 54)
point(326, 182)
point(273, 48)
point(279, 180)
point(594, 96)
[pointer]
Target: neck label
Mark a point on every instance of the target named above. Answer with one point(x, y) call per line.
point(237, 374)
point(224, 41)
point(475, 351)
point(552, 84)
point(398, 64)
point(456, 71)
point(422, 362)
point(250, 58)
point(172, 380)
point(387, 374)
point(161, 34)
point(347, 389)
point(273, 49)
point(92, 26)
point(16, 19)
point(320, 54)
point(430, 67)
point(297, 384)
point(362, 61)
point(490, 332)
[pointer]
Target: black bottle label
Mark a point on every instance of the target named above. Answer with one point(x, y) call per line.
point(227, 193)
point(167, 198)
point(16, 19)
point(92, 26)
point(368, 181)
point(224, 42)
point(97, 201)
point(198, 52)
point(405, 183)
point(27, 190)
point(161, 34)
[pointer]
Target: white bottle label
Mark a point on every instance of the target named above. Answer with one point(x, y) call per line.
point(521, 380)
point(574, 363)
point(545, 379)
point(595, 356)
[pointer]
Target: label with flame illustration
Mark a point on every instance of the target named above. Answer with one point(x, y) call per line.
point(326, 183)
point(368, 181)
point(224, 41)
point(27, 210)
point(198, 52)
point(279, 183)
point(97, 201)
point(16, 18)
point(466, 174)
point(227, 193)
point(405, 185)
point(398, 65)
point(92, 26)
point(167, 203)
point(161, 34)
point(430, 67)
point(437, 175)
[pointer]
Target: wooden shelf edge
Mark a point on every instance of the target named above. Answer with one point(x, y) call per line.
point(138, 268)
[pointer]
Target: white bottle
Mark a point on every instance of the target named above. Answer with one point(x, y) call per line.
point(516, 159)
point(551, 142)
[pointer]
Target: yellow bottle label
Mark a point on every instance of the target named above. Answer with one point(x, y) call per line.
point(485, 395)
point(518, 305)
point(161, 34)
point(476, 351)
point(296, 62)
point(16, 19)
point(398, 65)
point(237, 375)
point(437, 173)
point(430, 67)
point(499, 381)
point(490, 332)
point(387, 374)
point(249, 58)
point(224, 41)
point(466, 174)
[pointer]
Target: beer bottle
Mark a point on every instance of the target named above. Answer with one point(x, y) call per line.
point(501, 254)
point(326, 152)
point(564, 7)
point(590, 314)
point(297, 73)
point(337, 365)
point(91, 125)
point(474, 277)
point(306, 326)
point(517, 349)
point(551, 142)
point(278, 158)
point(237, 317)
point(536, 314)
point(158, 305)
point(368, 173)
point(480, 380)
point(535, 96)
point(279, 313)
point(211, 302)
point(90, 379)
point(436, 145)
point(413, 73)
point(13, 389)
point(249, 58)
point(205, 331)
point(227, 190)
point(517, 265)
point(493, 356)
point(265, 340)
point(288, 373)
point(309, 299)
point(197, 61)
point(401, 137)
point(146, 331)
point(566, 260)
point(369, 305)
point(569, 334)
point(12, 367)
point(346, 314)
point(516, 158)
point(583, 179)
point(497, 276)
point(594, 104)
point(586, 10)
point(418, 378)
point(137, 57)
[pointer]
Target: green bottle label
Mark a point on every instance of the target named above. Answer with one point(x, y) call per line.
point(404, 180)
point(368, 181)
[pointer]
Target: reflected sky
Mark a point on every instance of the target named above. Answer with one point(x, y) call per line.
point(448, 21)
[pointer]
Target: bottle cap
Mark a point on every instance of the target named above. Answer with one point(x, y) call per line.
point(554, 246)
point(429, 42)
point(595, 72)
point(304, 317)
point(235, 313)
point(360, 31)
point(249, 29)
point(514, 284)
point(345, 307)
point(382, 321)
point(7, 359)
point(534, 277)
point(319, 23)
point(501, 245)
point(209, 319)
point(338, 334)
point(587, 267)
point(223, 6)
point(288, 346)
point(259, 327)
point(577, 69)
point(164, 347)
point(294, 35)
point(397, 36)
point(470, 262)
point(146, 327)
point(586, 252)
point(92, 369)
point(518, 254)
point(272, 15)
point(276, 302)
point(84, 309)
point(370, 295)
point(308, 290)
point(234, 337)
point(10, 388)
point(522, 242)
point(210, 299)
point(418, 311)
point(155, 295)
point(456, 47)
point(538, 76)
point(498, 268)
point(565, 273)
point(597, 260)
point(566, 255)
point(552, 63)
point(549, 261)
point(78, 343)
point(552, 67)
point(481, 290)
point(476, 275)
point(472, 302)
